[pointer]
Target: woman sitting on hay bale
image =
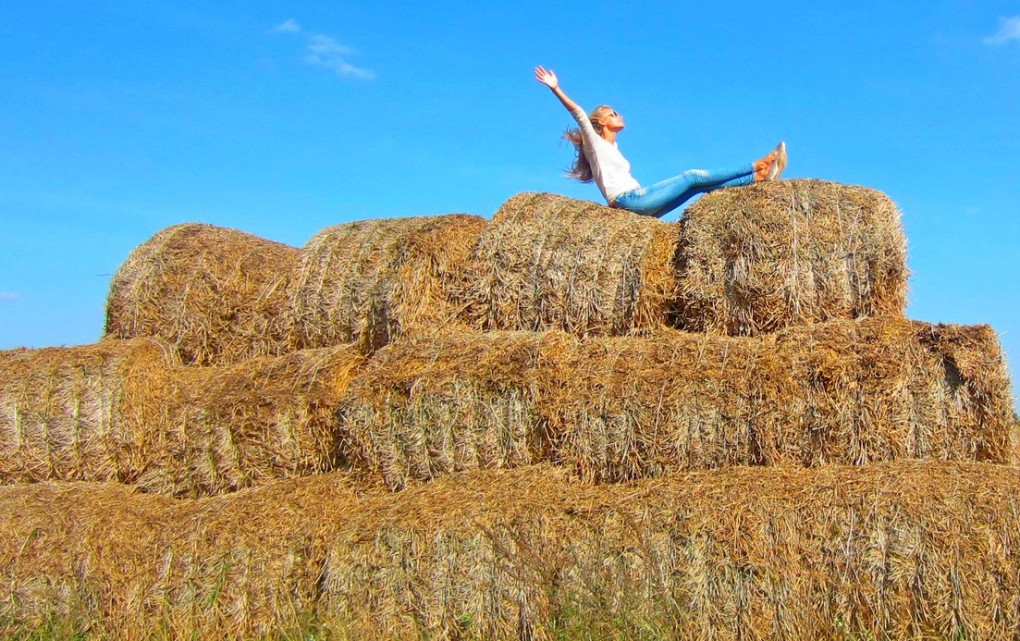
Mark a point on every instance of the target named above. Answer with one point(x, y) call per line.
point(599, 159)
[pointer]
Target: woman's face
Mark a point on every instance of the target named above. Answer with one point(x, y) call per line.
point(611, 120)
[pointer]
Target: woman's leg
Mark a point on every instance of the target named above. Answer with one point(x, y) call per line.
point(663, 197)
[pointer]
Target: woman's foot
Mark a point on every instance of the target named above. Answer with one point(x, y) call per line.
point(776, 170)
point(772, 165)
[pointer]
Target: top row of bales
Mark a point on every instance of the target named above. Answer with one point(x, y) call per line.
point(742, 262)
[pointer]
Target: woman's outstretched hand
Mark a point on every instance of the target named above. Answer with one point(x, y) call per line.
point(549, 79)
point(546, 77)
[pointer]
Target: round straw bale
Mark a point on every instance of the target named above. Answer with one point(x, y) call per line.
point(782, 253)
point(68, 413)
point(426, 406)
point(881, 389)
point(126, 411)
point(850, 392)
point(125, 565)
point(367, 281)
point(221, 429)
point(902, 550)
point(549, 262)
point(76, 554)
point(250, 564)
point(219, 295)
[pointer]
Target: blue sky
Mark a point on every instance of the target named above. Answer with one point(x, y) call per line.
point(118, 119)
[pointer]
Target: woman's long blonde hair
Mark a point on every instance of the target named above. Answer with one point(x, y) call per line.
point(581, 168)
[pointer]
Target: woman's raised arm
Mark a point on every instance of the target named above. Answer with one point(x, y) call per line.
point(548, 78)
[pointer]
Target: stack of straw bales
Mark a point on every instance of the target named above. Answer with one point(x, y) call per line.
point(600, 426)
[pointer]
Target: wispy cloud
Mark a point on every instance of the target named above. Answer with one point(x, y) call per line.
point(1009, 29)
point(322, 50)
point(287, 26)
point(8, 297)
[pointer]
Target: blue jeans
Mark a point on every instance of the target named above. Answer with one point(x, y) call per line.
point(663, 197)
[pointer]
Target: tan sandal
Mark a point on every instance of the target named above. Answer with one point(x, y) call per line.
point(779, 164)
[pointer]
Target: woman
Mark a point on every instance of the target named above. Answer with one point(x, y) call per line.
point(599, 159)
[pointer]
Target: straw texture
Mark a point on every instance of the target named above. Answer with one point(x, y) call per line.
point(125, 565)
point(217, 295)
point(126, 411)
point(226, 428)
point(779, 254)
point(902, 550)
point(66, 413)
point(549, 262)
point(850, 392)
point(367, 282)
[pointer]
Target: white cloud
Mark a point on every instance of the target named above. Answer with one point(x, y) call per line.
point(327, 46)
point(287, 26)
point(322, 50)
point(8, 297)
point(1009, 29)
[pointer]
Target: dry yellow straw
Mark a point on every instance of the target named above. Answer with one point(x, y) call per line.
point(218, 295)
point(549, 262)
point(900, 550)
point(779, 254)
point(850, 392)
point(369, 281)
point(124, 410)
point(66, 413)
